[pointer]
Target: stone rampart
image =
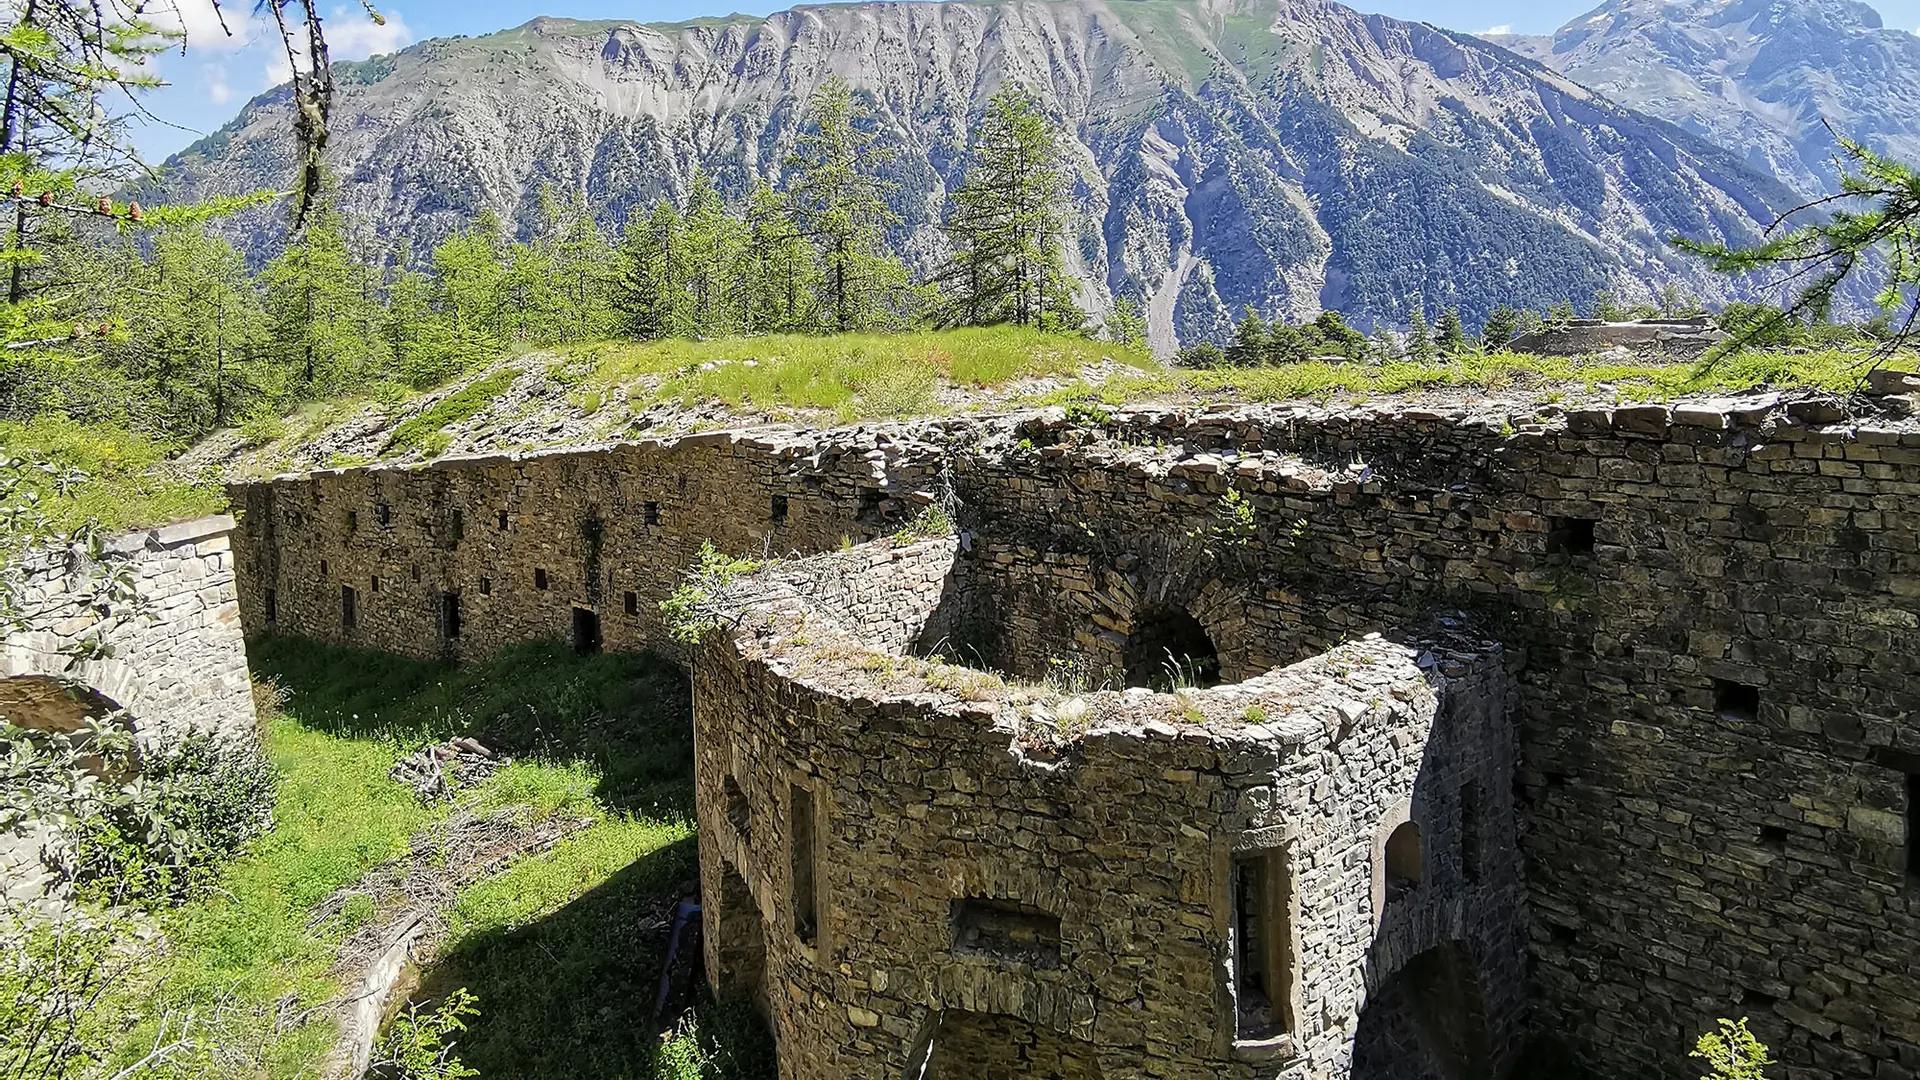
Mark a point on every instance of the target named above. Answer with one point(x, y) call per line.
point(918, 866)
point(177, 666)
point(1712, 609)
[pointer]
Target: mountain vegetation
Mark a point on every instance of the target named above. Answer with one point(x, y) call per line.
point(1217, 154)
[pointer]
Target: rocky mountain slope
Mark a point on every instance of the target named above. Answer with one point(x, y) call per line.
point(1284, 154)
point(1757, 76)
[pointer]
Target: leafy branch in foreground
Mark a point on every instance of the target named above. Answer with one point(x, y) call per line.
point(699, 603)
point(1816, 258)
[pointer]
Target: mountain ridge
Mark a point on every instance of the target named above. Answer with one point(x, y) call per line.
point(1282, 154)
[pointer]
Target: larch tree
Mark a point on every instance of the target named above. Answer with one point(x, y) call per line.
point(839, 202)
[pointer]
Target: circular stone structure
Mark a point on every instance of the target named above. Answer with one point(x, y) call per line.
point(918, 868)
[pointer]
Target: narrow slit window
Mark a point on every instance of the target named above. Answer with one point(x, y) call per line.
point(800, 837)
point(271, 601)
point(353, 520)
point(502, 523)
point(540, 579)
point(323, 568)
point(376, 583)
point(1908, 764)
point(349, 607)
point(450, 615)
point(457, 528)
point(630, 603)
point(486, 586)
point(778, 510)
point(1470, 831)
point(383, 514)
point(1259, 894)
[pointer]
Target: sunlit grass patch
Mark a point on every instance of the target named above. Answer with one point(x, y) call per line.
point(124, 489)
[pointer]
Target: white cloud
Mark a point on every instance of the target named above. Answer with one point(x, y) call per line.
point(228, 28)
point(1503, 28)
point(215, 78)
point(351, 35)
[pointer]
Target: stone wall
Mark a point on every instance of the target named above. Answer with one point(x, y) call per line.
point(464, 556)
point(935, 876)
point(178, 667)
point(1713, 609)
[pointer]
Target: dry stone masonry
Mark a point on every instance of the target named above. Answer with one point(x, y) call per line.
point(179, 666)
point(1522, 740)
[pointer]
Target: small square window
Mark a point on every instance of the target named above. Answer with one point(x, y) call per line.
point(540, 579)
point(1736, 701)
point(1569, 536)
point(651, 513)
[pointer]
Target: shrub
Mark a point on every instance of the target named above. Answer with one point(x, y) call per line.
point(261, 427)
point(415, 1046)
point(695, 607)
point(723, 1040)
point(1732, 1053)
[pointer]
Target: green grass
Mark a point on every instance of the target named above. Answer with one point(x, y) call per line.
point(460, 405)
point(124, 489)
point(1836, 370)
point(856, 376)
point(542, 944)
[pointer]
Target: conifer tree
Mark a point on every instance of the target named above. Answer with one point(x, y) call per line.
point(1452, 338)
point(840, 203)
point(1125, 324)
point(1419, 336)
point(713, 243)
point(316, 299)
point(1249, 345)
point(1500, 328)
point(778, 276)
point(1006, 221)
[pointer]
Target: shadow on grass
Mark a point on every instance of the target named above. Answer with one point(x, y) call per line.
point(571, 995)
point(627, 715)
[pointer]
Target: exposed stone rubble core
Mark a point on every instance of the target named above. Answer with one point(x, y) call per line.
point(1709, 611)
point(975, 872)
point(179, 667)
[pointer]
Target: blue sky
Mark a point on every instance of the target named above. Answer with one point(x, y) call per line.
point(218, 72)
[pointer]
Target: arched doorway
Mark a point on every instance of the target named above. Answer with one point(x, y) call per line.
point(990, 1046)
point(1168, 649)
point(1428, 1022)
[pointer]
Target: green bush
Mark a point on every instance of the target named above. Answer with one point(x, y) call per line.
point(723, 1040)
point(462, 404)
point(194, 803)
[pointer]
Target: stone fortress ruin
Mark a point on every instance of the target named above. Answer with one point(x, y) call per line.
point(1498, 745)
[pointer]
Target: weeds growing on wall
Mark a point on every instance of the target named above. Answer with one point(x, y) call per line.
point(698, 604)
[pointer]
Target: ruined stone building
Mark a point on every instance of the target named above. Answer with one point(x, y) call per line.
point(178, 666)
point(1506, 744)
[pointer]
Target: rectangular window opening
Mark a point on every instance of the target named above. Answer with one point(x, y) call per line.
point(800, 839)
point(1736, 701)
point(1569, 536)
point(1260, 893)
point(486, 586)
point(323, 568)
point(778, 510)
point(349, 608)
point(1773, 837)
point(540, 579)
point(450, 615)
point(652, 513)
point(1006, 930)
point(353, 520)
point(503, 521)
point(457, 528)
point(271, 601)
point(376, 583)
point(1470, 831)
point(630, 603)
point(383, 513)
point(586, 631)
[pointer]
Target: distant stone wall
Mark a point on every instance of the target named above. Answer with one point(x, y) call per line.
point(179, 667)
point(910, 870)
point(1713, 609)
point(462, 557)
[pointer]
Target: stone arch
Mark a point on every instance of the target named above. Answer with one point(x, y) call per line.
point(960, 1045)
point(1167, 644)
point(44, 703)
point(1397, 847)
point(38, 654)
point(1427, 1022)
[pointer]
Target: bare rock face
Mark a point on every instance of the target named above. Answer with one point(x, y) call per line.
point(1284, 154)
point(1761, 77)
